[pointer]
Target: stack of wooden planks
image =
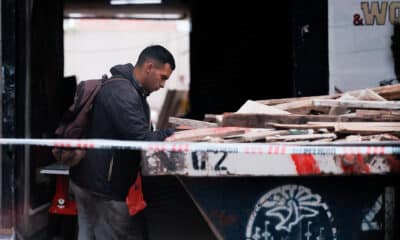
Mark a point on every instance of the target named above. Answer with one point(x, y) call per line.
point(357, 116)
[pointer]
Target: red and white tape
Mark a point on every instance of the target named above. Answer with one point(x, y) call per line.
point(248, 148)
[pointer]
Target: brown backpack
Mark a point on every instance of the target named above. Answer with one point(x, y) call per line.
point(74, 123)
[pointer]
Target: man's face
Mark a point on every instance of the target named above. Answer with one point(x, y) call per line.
point(156, 75)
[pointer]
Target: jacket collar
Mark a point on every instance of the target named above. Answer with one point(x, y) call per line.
point(139, 87)
point(126, 71)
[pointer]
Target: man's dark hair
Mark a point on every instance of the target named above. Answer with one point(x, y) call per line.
point(158, 53)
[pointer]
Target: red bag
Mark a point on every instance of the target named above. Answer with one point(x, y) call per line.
point(135, 200)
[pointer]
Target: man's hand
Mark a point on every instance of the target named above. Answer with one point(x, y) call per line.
point(170, 132)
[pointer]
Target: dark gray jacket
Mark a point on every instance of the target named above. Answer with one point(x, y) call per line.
point(120, 111)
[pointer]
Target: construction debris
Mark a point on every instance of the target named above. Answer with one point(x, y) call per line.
point(189, 123)
point(366, 115)
point(358, 104)
point(255, 107)
point(201, 134)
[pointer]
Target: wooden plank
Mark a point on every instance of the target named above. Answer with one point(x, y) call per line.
point(368, 112)
point(360, 127)
point(255, 107)
point(295, 99)
point(200, 133)
point(341, 109)
point(367, 94)
point(170, 107)
point(301, 137)
point(380, 137)
point(165, 109)
point(324, 140)
point(262, 120)
point(215, 118)
point(301, 107)
point(358, 104)
point(369, 138)
point(293, 126)
point(295, 105)
point(363, 124)
point(379, 115)
point(361, 130)
point(255, 135)
point(191, 123)
point(389, 92)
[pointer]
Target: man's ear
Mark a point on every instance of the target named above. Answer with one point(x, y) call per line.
point(148, 65)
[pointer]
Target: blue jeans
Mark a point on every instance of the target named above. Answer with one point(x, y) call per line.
point(100, 218)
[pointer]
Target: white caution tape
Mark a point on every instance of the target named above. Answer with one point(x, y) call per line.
point(248, 148)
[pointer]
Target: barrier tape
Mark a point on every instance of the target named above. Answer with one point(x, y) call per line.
point(247, 148)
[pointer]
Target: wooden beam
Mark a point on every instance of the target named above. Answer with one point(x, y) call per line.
point(191, 123)
point(301, 107)
point(301, 137)
point(367, 94)
point(358, 104)
point(389, 92)
point(295, 99)
point(201, 133)
point(255, 135)
point(293, 126)
point(341, 110)
point(263, 120)
point(215, 118)
point(380, 137)
point(360, 127)
point(379, 115)
point(171, 106)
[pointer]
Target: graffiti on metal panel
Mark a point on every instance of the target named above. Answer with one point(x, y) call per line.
point(357, 163)
point(284, 213)
point(163, 162)
point(380, 215)
point(370, 222)
point(201, 159)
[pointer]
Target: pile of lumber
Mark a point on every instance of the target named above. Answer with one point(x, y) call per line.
point(357, 116)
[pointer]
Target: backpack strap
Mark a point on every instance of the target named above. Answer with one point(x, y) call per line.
point(105, 79)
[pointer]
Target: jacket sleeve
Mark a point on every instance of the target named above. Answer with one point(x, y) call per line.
point(125, 109)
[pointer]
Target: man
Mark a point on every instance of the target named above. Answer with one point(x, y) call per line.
point(100, 182)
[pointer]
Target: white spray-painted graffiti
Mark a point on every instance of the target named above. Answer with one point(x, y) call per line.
point(369, 222)
point(380, 216)
point(281, 212)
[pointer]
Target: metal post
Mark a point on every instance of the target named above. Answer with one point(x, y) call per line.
point(1, 110)
point(8, 64)
point(27, 10)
